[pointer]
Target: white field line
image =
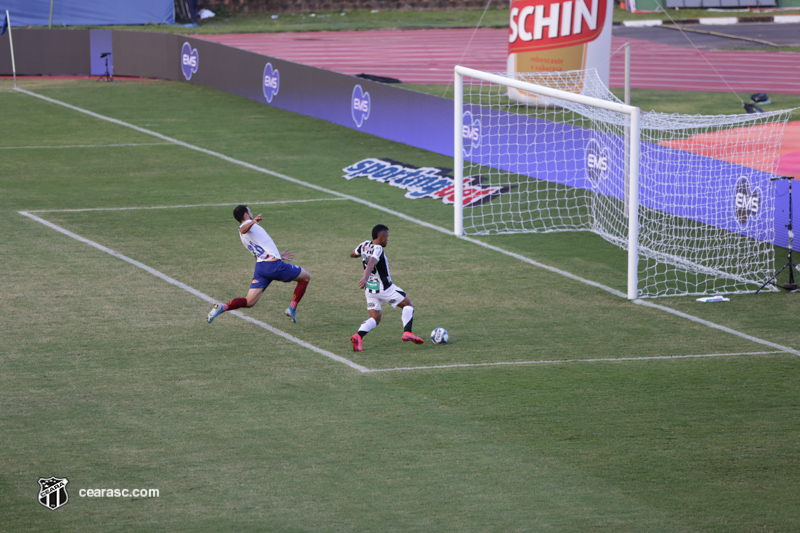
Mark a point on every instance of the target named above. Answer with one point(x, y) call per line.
point(238, 162)
point(712, 325)
point(335, 357)
point(564, 361)
point(195, 292)
point(81, 146)
point(410, 219)
point(179, 206)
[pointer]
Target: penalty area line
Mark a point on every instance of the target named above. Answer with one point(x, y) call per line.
point(406, 217)
point(564, 361)
point(195, 292)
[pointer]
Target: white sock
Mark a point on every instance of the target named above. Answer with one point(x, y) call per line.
point(368, 325)
point(408, 316)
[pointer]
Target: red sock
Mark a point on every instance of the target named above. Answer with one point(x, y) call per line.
point(236, 303)
point(299, 291)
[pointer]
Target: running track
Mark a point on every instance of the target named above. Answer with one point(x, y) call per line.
point(428, 56)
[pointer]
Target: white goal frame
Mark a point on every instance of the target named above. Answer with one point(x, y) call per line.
point(632, 143)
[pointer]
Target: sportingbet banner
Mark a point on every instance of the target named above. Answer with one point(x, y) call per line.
point(559, 36)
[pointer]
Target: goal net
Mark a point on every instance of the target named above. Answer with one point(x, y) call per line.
point(690, 197)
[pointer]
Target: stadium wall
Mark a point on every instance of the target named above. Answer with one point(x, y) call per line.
point(88, 12)
point(409, 117)
point(323, 6)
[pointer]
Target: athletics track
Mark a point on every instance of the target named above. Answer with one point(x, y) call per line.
point(428, 57)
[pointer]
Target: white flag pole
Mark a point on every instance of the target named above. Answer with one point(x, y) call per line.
point(11, 44)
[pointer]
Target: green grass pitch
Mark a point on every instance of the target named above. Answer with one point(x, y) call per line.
point(572, 410)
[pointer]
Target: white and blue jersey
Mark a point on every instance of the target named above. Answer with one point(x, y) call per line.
point(269, 266)
point(258, 241)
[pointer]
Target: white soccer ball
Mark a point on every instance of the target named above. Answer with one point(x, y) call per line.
point(439, 336)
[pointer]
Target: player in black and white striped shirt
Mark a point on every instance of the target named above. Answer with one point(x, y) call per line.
point(378, 287)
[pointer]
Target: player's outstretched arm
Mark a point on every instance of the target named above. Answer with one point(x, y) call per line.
point(246, 227)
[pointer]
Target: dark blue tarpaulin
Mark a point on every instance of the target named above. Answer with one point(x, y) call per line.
point(88, 12)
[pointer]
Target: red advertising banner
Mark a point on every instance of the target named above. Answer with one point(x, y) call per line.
point(546, 24)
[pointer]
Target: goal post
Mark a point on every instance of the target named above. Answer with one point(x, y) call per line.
point(631, 144)
point(688, 197)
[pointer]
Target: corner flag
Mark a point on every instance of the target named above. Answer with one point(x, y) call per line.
point(5, 24)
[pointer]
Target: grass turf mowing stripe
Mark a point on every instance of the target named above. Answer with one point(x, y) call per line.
point(407, 218)
point(124, 145)
point(322, 189)
point(716, 326)
point(303, 343)
point(194, 291)
point(564, 361)
point(83, 210)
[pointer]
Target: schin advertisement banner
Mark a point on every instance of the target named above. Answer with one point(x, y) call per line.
point(558, 36)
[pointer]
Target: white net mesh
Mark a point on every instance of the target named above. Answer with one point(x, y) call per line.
point(706, 199)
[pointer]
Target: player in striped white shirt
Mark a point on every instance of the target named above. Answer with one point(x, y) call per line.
point(270, 266)
point(378, 287)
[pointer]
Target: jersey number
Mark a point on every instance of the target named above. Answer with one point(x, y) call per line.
point(256, 249)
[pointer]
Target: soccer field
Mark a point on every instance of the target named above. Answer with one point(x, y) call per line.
point(558, 405)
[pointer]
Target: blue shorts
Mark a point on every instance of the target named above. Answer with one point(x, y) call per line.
point(268, 271)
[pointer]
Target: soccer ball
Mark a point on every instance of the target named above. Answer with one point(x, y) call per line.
point(439, 336)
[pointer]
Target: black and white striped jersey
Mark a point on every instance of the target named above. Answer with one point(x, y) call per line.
point(379, 279)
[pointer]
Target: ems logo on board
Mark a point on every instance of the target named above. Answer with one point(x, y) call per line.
point(597, 161)
point(53, 492)
point(190, 61)
point(747, 202)
point(471, 132)
point(272, 82)
point(360, 105)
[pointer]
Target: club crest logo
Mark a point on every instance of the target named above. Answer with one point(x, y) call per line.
point(747, 202)
point(272, 82)
point(471, 132)
point(53, 492)
point(190, 60)
point(597, 161)
point(360, 105)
